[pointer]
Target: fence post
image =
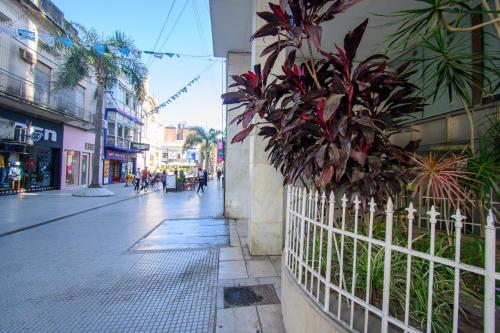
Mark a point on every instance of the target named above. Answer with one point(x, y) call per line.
point(302, 226)
point(328, 272)
point(387, 265)
point(287, 223)
point(489, 276)
point(458, 217)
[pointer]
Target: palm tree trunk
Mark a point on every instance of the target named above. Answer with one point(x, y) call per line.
point(472, 140)
point(96, 159)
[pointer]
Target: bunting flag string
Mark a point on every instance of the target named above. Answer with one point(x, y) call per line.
point(180, 91)
point(26, 34)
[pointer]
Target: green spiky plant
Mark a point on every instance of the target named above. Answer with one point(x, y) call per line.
point(437, 30)
point(81, 62)
point(206, 140)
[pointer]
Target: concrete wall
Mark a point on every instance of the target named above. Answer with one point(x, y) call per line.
point(300, 314)
point(236, 201)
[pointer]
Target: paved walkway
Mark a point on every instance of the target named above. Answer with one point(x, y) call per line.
point(90, 272)
point(27, 209)
point(77, 275)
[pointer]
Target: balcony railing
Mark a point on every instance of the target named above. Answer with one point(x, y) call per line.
point(112, 140)
point(13, 85)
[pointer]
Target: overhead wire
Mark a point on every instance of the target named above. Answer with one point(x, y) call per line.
point(163, 27)
point(170, 32)
point(198, 25)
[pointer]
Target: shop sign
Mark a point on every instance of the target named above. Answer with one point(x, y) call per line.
point(171, 182)
point(139, 146)
point(116, 155)
point(89, 146)
point(33, 130)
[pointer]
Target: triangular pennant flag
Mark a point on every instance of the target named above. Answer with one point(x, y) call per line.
point(125, 51)
point(178, 56)
point(99, 48)
point(66, 41)
point(170, 55)
point(184, 90)
point(149, 52)
point(114, 50)
point(26, 34)
point(158, 55)
point(173, 97)
point(49, 40)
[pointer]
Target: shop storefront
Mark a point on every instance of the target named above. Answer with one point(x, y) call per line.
point(117, 165)
point(78, 150)
point(30, 153)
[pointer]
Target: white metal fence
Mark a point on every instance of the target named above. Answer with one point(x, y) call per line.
point(372, 268)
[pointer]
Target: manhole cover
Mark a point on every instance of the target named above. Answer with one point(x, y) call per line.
point(250, 295)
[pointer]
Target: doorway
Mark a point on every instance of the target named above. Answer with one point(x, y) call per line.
point(84, 170)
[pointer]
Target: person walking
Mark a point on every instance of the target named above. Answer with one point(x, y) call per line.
point(163, 179)
point(219, 174)
point(201, 180)
point(205, 177)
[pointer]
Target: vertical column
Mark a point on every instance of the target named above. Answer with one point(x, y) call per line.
point(266, 184)
point(237, 155)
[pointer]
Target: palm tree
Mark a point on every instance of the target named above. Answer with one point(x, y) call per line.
point(206, 141)
point(80, 62)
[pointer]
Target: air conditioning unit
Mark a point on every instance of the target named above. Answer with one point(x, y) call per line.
point(27, 56)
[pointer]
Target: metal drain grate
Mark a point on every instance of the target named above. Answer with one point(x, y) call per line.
point(250, 295)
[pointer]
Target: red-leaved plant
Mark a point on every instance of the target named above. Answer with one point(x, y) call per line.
point(327, 121)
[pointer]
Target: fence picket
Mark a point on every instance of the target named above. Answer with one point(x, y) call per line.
point(433, 219)
point(458, 217)
point(369, 265)
point(341, 263)
point(328, 272)
point(387, 265)
point(354, 259)
point(411, 215)
point(489, 276)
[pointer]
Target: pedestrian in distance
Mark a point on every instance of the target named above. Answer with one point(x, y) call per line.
point(163, 179)
point(219, 174)
point(205, 177)
point(201, 180)
point(137, 180)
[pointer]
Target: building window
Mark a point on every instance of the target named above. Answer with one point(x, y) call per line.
point(72, 167)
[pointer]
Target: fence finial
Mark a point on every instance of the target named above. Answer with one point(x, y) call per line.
point(356, 202)
point(411, 211)
point(390, 206)
point(372, 205)
point(344, 200)
point(458, 217)
point(433, 214)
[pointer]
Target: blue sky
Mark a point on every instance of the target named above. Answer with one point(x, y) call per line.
point(143, 21)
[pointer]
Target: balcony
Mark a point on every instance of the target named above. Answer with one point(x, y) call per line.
point(116, 141)
point(113, 103)
point(14, 86)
